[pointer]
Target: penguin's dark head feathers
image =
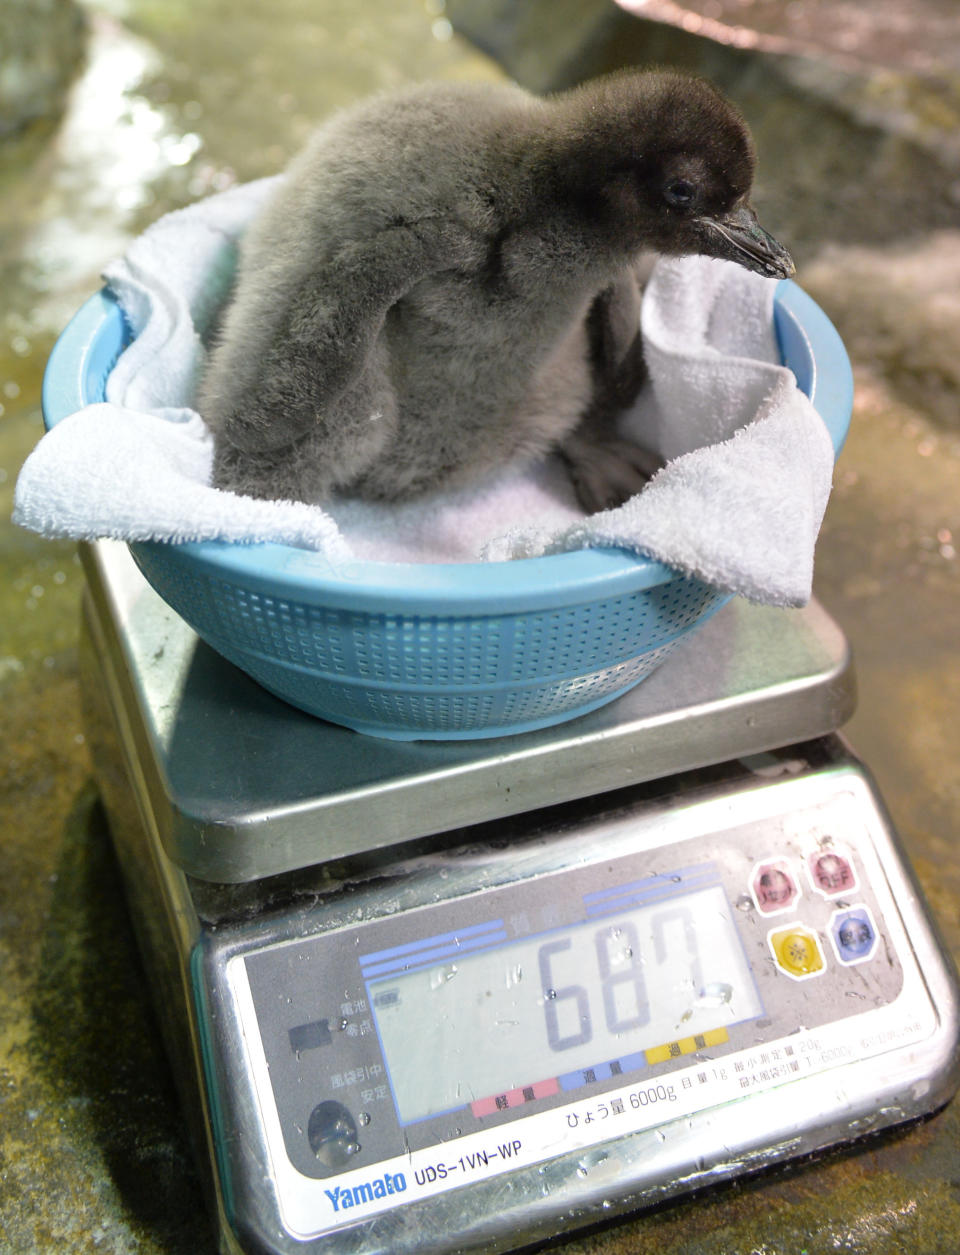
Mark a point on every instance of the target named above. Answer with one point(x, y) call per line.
point(667, 162)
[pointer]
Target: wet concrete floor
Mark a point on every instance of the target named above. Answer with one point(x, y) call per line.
point(185, 97)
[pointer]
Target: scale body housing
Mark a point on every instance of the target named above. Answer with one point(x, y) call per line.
point(256, 841)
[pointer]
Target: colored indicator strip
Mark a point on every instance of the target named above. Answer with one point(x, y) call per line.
point(514, 1097)
point(602, 1071)
point(686, 1046)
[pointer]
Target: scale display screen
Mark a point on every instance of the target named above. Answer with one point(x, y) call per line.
point(534, 1015)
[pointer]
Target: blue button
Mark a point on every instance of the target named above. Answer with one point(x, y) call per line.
point(854, 934)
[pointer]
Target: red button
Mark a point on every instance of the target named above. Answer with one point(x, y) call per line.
point(774, 887)
point(831, 872)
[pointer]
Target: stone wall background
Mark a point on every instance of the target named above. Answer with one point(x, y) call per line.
point(41, 47)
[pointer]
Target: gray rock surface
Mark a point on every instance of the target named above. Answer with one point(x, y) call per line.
point(41, 44)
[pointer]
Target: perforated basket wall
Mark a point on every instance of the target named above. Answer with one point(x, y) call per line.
point(436, 651)
point(430, 674)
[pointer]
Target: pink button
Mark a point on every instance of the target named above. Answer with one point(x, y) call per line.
point(774, 887)
point(831, 872)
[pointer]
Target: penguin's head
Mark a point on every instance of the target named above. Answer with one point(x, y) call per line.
point(668, 163)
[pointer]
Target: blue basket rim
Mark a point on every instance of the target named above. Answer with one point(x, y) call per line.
point(810, 346)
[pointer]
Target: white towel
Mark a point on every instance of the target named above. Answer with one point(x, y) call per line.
point(739, 503)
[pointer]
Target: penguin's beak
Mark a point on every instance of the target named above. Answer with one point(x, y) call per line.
point(738, 236)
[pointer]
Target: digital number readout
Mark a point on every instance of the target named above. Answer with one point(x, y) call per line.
point(505, 1015)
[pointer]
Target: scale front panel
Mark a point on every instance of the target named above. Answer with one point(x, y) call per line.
point(640, 973)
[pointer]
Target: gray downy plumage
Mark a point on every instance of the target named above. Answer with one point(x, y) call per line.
point(445, 283)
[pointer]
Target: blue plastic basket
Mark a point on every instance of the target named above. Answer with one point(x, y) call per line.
point(437, 651)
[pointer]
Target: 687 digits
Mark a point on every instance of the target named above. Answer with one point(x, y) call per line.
point(622, 986)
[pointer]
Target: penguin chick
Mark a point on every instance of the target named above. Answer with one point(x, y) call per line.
point(444, 283)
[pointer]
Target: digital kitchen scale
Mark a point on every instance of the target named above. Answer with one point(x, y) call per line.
point(463, 996)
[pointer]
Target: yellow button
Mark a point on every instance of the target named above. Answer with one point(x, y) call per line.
point(797, 951)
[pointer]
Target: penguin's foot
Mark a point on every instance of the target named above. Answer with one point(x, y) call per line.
point(606, 473)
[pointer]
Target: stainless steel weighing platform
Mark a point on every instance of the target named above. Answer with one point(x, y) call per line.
point(468, 995)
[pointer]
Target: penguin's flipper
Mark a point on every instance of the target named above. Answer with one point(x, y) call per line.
point(605, 469)
point(616, 345)
point(321, 341)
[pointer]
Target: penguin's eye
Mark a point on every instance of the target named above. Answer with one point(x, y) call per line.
point(679, 192)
